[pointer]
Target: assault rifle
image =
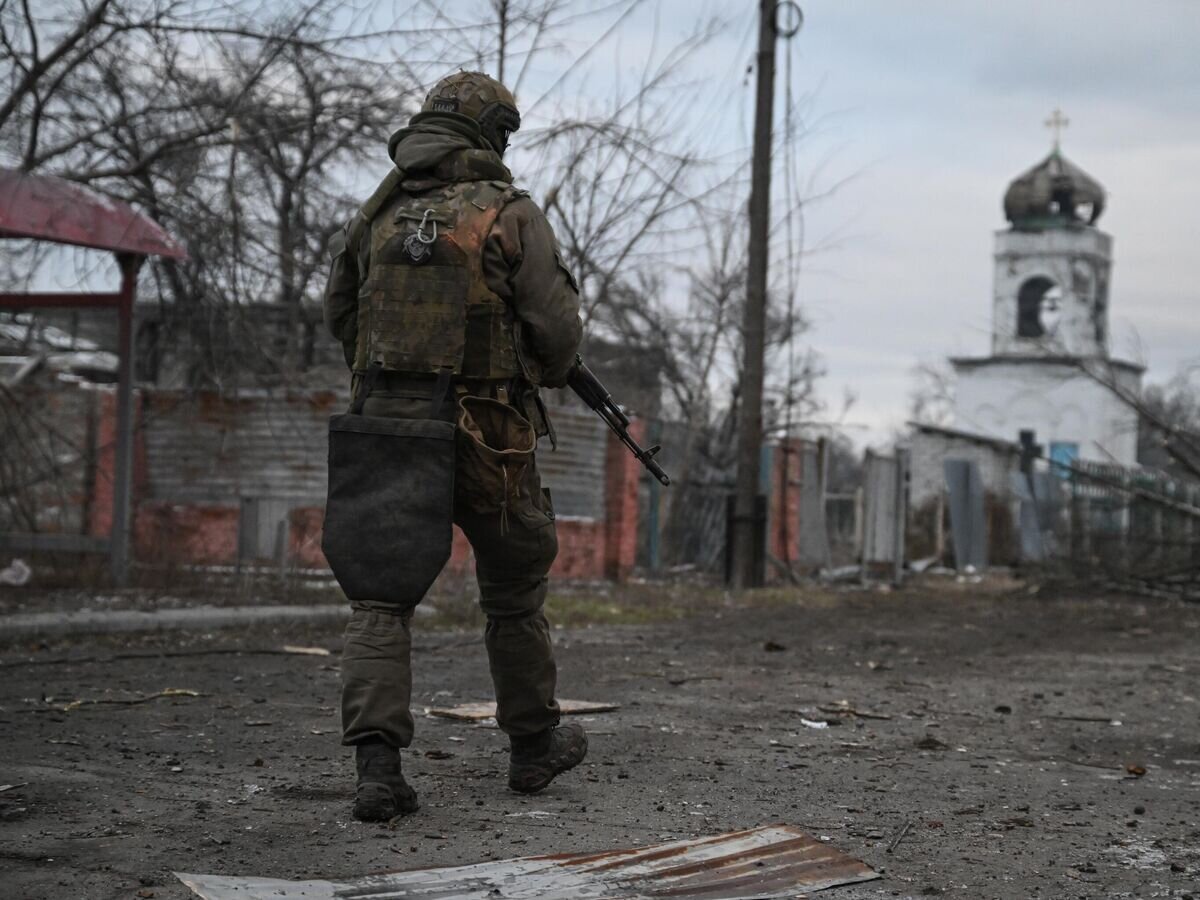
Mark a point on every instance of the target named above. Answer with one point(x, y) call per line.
point(596, 395)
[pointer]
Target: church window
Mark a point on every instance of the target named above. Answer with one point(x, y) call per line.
point(1037, 295)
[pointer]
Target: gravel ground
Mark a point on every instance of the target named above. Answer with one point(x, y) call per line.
point(1020, 746)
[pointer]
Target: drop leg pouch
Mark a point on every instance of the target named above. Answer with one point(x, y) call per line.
point(388, 515)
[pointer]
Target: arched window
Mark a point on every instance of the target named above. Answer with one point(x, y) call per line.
point(1031, 299)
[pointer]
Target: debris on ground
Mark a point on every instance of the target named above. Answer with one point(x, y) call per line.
point(774, 861)
point(117, 701)
point(843, 708)
point(16, 574)
point(478, 712)
point(899, 837)
point(305, 651)
point(684, 679)
point(929, 742)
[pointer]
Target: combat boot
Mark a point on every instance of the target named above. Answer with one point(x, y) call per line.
point(536, 759)
point(382, 793)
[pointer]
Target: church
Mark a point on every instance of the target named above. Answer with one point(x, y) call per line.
point(1050, 308)
point(1049, 378)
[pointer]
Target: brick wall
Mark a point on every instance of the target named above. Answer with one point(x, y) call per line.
point(783, 504)
point(191, 531)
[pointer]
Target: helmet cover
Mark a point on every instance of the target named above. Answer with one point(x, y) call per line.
point(481, 98)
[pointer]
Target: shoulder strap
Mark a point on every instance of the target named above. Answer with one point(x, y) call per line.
point(373, 205)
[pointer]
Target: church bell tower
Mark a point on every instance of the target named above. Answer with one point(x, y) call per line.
point(1052, 265)
point(1050, 374)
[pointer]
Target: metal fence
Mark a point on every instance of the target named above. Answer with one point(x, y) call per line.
point(1136, 528)
point(1132, 528)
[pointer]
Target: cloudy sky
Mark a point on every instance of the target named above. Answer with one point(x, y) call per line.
point(930, 108)
point(923, 111)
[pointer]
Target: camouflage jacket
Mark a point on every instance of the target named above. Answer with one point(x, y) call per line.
point(521, 261)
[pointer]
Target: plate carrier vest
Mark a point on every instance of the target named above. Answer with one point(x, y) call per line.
point(425, 307)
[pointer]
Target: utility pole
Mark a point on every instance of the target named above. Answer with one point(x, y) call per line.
point(746, 569)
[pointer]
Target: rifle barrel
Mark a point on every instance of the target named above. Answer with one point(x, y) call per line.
point(584, 383)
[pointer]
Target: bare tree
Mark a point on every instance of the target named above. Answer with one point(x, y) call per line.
point(931, 398)
point(229, 129)
point(1168, 416)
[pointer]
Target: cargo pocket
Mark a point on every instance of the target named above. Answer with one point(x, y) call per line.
point(536, 515)
point(535, 509)
point(495, 460)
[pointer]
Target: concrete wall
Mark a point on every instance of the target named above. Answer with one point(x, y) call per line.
point(1000, 398)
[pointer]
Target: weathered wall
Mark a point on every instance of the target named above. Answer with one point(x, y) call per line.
point(1000, 398)
point(930, 449)
point(203, 461)
point(1079, 262)
point(783, 505)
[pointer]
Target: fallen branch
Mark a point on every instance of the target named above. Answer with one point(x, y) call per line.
point(105, 701)
point(168, 654)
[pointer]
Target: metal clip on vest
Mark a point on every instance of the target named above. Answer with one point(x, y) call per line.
point(419, 247)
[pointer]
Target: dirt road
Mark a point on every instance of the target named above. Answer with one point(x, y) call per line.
point(1015, 746)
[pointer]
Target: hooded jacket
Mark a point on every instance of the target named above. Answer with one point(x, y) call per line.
point(521, 261)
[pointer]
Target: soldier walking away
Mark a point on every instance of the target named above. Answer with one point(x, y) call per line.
point(454, 306)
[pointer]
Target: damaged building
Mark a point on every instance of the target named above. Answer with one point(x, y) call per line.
point(1050, 383)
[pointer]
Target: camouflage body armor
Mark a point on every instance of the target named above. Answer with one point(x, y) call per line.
point(425, 307)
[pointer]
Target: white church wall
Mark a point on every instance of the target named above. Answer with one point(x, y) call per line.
point(1058, 403)
point(1079, 262)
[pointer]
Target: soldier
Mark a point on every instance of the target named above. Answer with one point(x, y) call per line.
point(448, 234)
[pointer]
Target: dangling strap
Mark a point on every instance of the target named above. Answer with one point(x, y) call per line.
point(365, 385)
point(370, 209)
point(504, 502)
point(440, 389)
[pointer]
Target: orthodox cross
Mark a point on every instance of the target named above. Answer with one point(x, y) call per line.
point(1056, 123)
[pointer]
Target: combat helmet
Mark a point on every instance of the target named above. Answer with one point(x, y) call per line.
point(480, 97)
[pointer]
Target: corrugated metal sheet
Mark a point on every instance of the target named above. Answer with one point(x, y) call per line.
point(775, 861)
point(879, 527)
point(575, 471)
point(208, 449)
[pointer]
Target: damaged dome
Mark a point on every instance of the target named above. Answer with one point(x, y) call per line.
point(1053, 194)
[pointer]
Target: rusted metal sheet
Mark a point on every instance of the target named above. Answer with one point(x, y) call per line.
point(49, 209)
point(774, 861)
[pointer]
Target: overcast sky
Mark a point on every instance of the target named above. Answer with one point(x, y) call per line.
point(933, 106)
point(928, 109)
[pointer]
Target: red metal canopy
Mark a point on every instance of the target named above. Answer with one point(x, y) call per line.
point(51, 209)
point(45, 208)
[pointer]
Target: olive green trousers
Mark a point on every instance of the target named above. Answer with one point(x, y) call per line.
point(513, 554)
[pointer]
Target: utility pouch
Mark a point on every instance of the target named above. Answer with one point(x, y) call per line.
point(495, 446)
point(389, 511)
